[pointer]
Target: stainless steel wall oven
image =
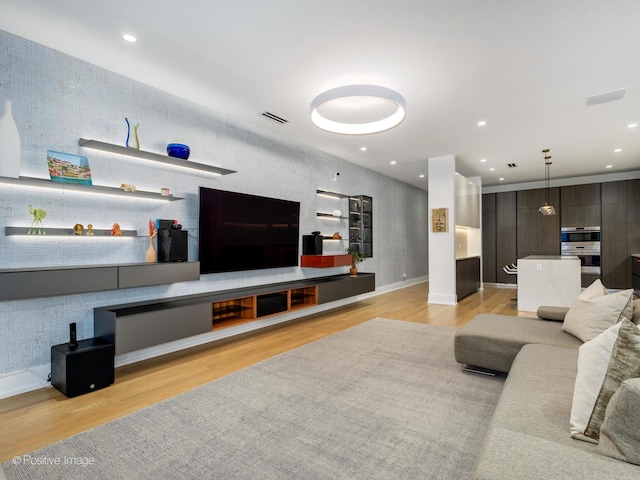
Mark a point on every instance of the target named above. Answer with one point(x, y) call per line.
point(585, 243)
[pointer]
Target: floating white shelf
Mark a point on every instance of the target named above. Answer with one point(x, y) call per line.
point(155, 157)
point(43, 182)
point(65, 232)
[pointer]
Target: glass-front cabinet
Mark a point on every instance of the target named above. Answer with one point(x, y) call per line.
point(361, 224)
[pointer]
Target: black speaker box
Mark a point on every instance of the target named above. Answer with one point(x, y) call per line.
point(172, 245)
point(82, 369)
point(312, 244)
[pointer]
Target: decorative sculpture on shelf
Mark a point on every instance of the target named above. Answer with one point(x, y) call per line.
point(115, 230)
point(36, 224)
point(90, 229)
point(178, 150)
point(78, 228)
point(132, 142)
point(127, 187)
point(151, 252)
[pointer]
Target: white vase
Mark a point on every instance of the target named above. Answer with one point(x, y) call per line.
point(9, 144)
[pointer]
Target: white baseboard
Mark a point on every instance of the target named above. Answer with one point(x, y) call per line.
point(23, 381)
point(501, 285)
point(440, 299)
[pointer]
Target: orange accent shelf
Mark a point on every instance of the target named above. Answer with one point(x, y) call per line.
point(325, 261)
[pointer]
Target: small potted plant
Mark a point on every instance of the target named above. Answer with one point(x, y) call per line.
point(356, 257)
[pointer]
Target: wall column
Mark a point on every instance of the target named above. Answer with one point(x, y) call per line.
point(442, 255)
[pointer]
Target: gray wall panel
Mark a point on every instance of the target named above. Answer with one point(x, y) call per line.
point(133, 332)
point(157, 274)
point(43, 283)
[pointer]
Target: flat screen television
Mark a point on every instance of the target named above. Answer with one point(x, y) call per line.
point(238, 232)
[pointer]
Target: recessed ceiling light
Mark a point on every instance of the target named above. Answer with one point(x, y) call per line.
point(129, 38)
point(483, 160)
point(491, 169)
point(393, 162)
point(363, 149)
point(617, 150)
point(609, 166)
point(632, 125)
point(482, 123)
point(422, 175)
point(501, 178)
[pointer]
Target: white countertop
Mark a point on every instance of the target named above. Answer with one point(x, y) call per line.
point(550, 257)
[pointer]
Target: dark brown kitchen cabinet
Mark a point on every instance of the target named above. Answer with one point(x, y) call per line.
point(467, 277)
point(506, 252)
point(614, 249)
point(537, 234)
point(633, 223)
point(580, 205)
point(513, 228)
point(489, 237)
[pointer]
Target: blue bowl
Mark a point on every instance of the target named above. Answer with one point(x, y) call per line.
point(178, 150)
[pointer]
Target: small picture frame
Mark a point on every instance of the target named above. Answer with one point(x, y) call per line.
point(438, 220)
point(68, 168)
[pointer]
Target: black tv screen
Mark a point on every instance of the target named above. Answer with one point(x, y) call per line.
point(246, 232)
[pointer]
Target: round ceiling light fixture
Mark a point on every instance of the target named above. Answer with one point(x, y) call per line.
point(358, 109)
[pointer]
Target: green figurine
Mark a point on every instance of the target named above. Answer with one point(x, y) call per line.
point(38, 215)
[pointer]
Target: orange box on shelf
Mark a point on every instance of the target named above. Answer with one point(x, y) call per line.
point(325, 261)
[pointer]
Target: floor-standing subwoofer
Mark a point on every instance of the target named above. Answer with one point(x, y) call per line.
point(82, 369)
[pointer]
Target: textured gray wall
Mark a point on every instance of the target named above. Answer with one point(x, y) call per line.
point(57, 99)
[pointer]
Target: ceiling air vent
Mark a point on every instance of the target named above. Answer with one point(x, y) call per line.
point(273, 117)
point(606, 97)
point(512, 165)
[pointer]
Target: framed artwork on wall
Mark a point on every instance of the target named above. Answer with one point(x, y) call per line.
point(438, 219)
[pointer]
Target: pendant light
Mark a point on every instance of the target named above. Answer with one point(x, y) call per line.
point(547, 209)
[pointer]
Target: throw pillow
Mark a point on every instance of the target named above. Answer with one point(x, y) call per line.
point(589, 316)
point(636, 311)
point(603, 364)
point(620, 431)
point(595, 290)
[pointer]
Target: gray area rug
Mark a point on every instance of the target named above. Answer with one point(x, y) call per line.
point(382, 400)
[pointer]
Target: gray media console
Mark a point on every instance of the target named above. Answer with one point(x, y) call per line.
point(144, 324)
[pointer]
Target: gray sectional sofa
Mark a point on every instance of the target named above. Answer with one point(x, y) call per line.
point(529, 433)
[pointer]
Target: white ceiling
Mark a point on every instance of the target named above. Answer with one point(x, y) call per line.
point(526, 67)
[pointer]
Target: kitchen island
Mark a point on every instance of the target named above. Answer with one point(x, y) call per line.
point(552, 280)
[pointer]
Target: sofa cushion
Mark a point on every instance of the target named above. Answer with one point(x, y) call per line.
point(591, 315)
point(620, 431)
point(556, 314)
point(528, 437)
point(603, 363)
point(492, 341)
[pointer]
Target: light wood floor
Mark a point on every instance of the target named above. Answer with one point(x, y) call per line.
point(35, 419)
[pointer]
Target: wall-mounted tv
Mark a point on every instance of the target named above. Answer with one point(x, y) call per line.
point(238, 231)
